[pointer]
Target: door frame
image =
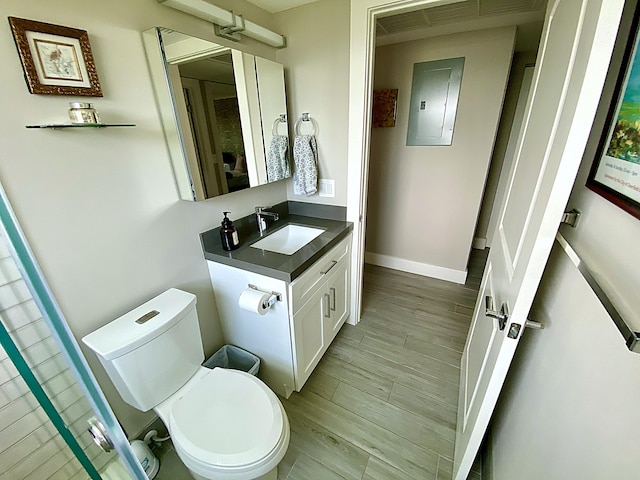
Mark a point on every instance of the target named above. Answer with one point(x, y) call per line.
point(362, 44)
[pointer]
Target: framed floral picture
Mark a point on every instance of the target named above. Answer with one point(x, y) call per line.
point(56, 60)
point(615, 173)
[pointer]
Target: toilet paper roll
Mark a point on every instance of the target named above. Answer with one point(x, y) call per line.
point(254, 301)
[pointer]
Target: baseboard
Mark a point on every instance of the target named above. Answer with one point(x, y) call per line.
point(424, 269)
point(479, 243)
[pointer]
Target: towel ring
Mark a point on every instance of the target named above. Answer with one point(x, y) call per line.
point(281, 119)
point(305, 117)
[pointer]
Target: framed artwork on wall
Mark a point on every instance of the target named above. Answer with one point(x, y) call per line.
point(615, 173)
point(56, 60)
point(384, 108)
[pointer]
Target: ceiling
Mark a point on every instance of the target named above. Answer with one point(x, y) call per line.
point(457, 17)
point(275, 6)
point(456, 12)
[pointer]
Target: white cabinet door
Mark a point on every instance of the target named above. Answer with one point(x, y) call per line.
point(309, 336)
point(338, 291)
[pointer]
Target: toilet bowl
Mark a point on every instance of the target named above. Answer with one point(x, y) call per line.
point(224, 424)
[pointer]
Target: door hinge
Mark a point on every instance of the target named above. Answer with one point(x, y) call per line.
point(571, 218)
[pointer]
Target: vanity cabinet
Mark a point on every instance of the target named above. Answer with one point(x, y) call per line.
point(319, 307)
point(291, 337)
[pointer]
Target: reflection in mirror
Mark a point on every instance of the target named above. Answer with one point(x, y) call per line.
point(220, 110)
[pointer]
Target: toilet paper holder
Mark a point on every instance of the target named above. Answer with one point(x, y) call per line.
point(275, 297)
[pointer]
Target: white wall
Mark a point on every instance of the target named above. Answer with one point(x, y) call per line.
point(424, 200)
point(99, 207)
point(316, 64)
point(572, 393)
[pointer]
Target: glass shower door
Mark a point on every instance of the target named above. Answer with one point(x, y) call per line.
point(47, 391)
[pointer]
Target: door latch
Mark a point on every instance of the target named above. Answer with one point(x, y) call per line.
point(501, 316)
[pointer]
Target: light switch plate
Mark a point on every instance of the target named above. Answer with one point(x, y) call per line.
point(327, 188)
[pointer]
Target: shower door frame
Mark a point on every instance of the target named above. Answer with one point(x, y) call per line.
point(62, 335)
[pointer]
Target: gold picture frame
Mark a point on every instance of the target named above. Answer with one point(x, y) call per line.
point(56, 60)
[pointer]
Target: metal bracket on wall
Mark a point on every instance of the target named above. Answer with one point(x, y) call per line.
point(231, 32)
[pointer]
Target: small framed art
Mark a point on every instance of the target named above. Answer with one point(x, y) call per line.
point(384, 108)
point(56, 60)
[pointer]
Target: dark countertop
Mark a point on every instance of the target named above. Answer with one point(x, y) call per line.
point(271, 264)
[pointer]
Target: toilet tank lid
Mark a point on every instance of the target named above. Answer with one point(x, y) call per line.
point(141, 324)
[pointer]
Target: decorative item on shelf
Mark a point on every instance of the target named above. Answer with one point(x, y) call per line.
point(80, 112)
point(384, 108)
point(56, 60)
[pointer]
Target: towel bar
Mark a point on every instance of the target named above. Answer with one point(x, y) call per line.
point(631, 337)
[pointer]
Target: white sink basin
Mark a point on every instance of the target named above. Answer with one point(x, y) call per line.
point(288, 240)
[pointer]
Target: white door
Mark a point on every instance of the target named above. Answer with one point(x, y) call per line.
point(574, 53)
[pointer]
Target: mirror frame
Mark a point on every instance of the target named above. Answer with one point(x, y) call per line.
point(257, 118)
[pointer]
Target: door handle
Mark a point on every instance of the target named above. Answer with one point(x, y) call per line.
point(333, 298)
point(99, 434)
point(501, 316)
point(333, 264)
point(328, 310)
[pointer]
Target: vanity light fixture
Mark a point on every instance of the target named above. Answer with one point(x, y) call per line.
point(229, 25)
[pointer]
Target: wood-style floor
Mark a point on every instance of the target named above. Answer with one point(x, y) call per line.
point(382, 403)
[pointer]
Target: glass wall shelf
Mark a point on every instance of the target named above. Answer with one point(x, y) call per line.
point(82, 125)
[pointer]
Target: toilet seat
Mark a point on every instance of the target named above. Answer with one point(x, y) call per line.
point(229, 421)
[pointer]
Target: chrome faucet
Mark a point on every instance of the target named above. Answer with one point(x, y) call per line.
point(262, 223)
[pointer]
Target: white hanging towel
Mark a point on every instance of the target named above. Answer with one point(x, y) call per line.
point(305, 157)
point(278, 158)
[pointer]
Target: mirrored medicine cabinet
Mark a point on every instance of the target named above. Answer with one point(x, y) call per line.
point(219, 109)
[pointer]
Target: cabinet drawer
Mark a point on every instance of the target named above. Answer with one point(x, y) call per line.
point(303, 287)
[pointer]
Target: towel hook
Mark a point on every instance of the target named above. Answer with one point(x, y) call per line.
point(282, 118)
point(305, 117)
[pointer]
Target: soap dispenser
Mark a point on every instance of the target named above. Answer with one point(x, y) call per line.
point(229, 234)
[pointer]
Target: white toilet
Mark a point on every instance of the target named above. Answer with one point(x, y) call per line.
point(225, 424)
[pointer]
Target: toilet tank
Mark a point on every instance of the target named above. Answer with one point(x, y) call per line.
point(150, 352)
